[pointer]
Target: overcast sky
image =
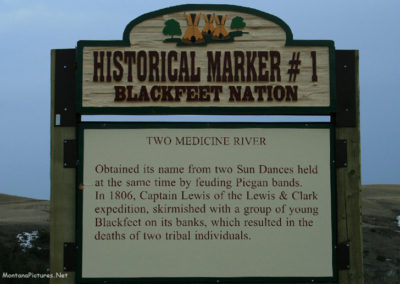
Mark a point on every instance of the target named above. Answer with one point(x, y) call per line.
point(29, 29)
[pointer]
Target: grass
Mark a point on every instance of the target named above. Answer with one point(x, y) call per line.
point(15, 259)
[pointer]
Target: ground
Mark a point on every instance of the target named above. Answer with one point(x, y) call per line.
point(19, 214)
point(381, 233)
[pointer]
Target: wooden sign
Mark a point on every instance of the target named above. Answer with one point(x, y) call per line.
point(206, 59)
point(206, 202)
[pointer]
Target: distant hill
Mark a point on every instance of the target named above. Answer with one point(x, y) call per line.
point(22, 210)
point(21, 214)
point(381, 233)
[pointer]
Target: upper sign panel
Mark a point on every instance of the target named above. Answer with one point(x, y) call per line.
point(206, 59)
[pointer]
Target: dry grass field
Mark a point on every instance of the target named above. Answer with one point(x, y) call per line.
point(381, 231)
point(30, 254)
point(20, 214)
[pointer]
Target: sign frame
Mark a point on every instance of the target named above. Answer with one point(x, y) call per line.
point(202, 125)
point(222, 110)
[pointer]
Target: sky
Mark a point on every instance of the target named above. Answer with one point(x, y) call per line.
point(29, 30)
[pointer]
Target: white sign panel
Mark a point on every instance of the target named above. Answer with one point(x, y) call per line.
point(206, 201)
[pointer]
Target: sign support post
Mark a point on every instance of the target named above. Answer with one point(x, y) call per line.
point(62, 195)
point(349, 182)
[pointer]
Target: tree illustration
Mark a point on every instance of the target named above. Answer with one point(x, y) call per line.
point(237, 23)
point(172, 27)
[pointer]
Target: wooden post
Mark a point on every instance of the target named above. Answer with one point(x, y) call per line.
point(62, 195)
point(348, 194)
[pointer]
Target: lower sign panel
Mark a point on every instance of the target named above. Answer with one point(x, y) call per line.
point(215, 201)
